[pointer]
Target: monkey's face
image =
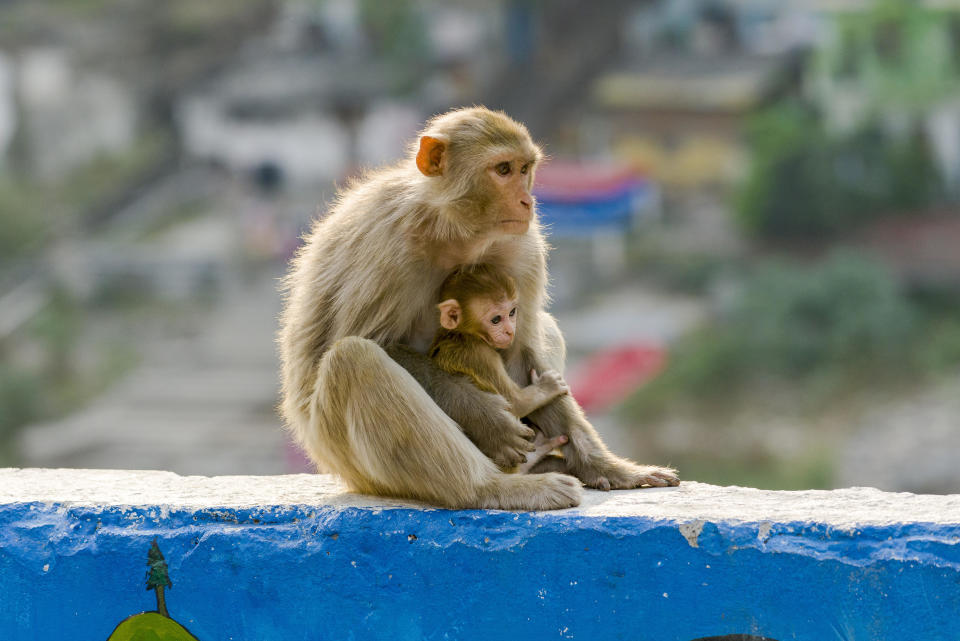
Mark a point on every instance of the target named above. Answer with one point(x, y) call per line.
point(511, 176)
point(497, 320)
point(487, 162)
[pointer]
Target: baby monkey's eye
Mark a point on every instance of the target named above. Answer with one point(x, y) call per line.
point(496, 319)
point(513, 312)
point(503, 168)
point(525, 169)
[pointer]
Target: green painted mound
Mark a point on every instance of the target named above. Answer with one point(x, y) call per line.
point(150, 626)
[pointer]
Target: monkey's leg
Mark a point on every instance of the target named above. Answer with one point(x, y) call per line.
point(550, 463)
point(372, 423)
point(586, 456)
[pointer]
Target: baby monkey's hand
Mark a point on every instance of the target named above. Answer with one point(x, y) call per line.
point(550, 382)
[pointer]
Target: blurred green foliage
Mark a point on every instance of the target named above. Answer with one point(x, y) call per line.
point(104, 175)
point(399, 34)
point(792, 321)
point(33, 209)
point(896, 53)
point(54, 380)
point(806, 183)
point(818, 329)
point(20, 402)
point(808, 470)
point(682, 272)
point(29, 391)
point(22, 222)
point(56, 328)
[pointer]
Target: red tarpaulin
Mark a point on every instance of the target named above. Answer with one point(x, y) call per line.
point(575, 182)
point(609, 376)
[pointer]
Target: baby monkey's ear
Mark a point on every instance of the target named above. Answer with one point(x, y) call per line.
point(450, 313)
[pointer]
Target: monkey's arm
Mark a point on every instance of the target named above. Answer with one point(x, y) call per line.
point(483, 416)
point(543, 389)
point(484, 366)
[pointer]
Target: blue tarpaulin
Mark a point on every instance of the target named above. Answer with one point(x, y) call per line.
point(574, 200)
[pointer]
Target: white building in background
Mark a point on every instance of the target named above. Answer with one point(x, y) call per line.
point(320, 96)
point(304, 117)
point(302, 146)
point(70, 116)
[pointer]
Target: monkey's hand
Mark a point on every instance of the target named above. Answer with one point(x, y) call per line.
point(544, 445)
point(550, 383)
point(496, 432)
point(508, 442)
point(489, 422)
point(484, 417)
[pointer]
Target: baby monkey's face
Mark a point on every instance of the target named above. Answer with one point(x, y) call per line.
point(498, 319)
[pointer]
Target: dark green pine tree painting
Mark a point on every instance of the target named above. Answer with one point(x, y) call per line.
point(157, 578)
point(153, 626)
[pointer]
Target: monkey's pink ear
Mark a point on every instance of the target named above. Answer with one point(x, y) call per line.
point(430, 156)
point(449, 313)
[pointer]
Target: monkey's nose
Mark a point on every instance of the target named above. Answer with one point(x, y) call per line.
point(526, 201)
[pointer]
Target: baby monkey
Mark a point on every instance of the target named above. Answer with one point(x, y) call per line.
point(478, 316)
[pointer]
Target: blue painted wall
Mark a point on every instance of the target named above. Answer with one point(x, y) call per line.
point(394, 574)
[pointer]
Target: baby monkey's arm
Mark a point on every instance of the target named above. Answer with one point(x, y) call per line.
point(485, 367)
point(543, 388)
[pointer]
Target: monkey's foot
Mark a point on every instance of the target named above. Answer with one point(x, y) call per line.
point(550, 491)
point(624, 475)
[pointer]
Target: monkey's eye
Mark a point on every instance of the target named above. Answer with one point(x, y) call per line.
point(503, 168)
point(525, 169)
point(513, 312)
point(496, 319)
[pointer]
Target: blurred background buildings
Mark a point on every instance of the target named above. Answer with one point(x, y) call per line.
point(753, 204)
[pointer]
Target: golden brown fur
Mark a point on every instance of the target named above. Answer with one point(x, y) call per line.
point(464, 347)
point(467, 355)
point(366, 279)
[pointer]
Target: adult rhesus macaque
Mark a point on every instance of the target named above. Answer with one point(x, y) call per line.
point(358, 392)
point(478, 317)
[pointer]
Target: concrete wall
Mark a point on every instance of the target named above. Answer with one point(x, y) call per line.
point(294, 557)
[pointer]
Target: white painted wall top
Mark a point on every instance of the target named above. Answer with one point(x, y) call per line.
point(846, 508)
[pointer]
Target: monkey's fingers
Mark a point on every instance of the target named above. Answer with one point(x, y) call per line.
point(528, 446)
point(527, 433)
point(655, 481)
point(664, 477)
point(509, 457)
point(655, 476)
point(524, 452)
point(534, 377)
point(522, 445)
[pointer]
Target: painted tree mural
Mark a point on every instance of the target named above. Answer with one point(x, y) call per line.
point(153, 626)
point(157, 578)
